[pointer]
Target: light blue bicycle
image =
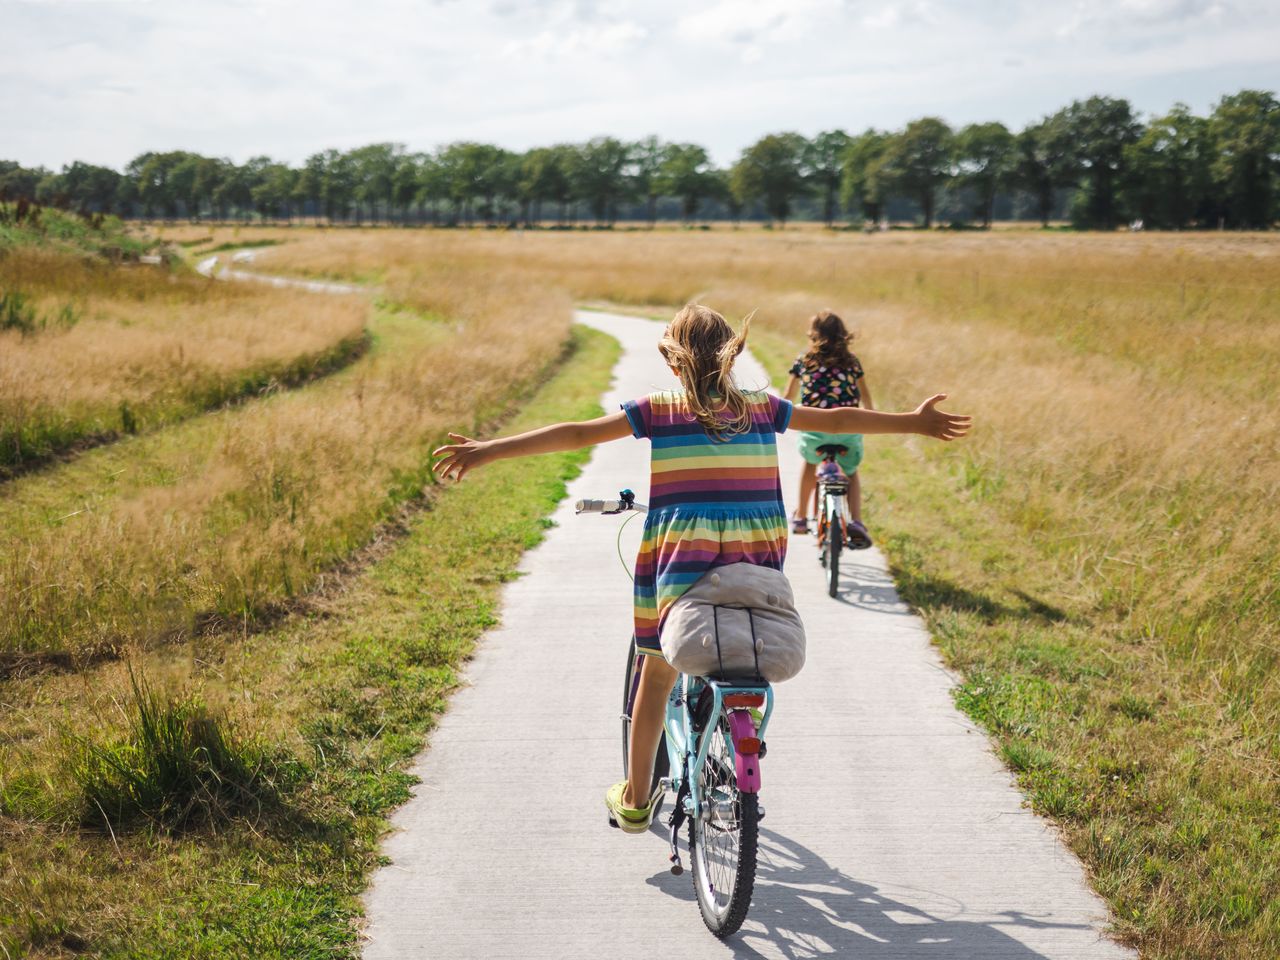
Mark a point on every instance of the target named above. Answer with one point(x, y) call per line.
point(712, 745)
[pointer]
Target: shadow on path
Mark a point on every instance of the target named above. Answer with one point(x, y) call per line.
point(803, 907)
point(868, 587)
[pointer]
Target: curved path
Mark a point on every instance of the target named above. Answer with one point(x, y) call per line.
point(892, 830)
point(209, 267)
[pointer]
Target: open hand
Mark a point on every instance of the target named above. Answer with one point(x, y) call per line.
point(938, 423)
point(458, 457)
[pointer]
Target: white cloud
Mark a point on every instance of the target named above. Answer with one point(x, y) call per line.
point(751, 21)
point(1151, 14)
point(891, 15)
point(105, 81)
point(603, 41)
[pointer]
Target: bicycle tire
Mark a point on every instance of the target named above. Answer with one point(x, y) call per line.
point(833, 547)
point(725, 921)
point(661, 761)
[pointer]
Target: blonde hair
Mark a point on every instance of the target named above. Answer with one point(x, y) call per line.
point(702, 347)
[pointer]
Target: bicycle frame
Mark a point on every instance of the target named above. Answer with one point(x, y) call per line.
point(687, 748)
point(830, 490)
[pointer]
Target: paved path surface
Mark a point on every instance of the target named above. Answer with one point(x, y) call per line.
point(892, 831)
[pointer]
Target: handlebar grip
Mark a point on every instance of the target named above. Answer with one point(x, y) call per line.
point(599, 506)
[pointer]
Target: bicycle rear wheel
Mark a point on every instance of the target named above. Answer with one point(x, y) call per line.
point(723, 840)
point(660, 762)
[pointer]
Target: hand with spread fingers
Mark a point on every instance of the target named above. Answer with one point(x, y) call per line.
point(457, 458)
point(462, 456)
point(938, 423)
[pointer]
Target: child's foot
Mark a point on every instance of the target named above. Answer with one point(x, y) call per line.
point(799, 525)
point(629, 819)
point(857, 535)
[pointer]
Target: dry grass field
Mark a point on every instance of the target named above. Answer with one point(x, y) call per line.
point(224, 517)
point(1099, 560)
point(96, 351)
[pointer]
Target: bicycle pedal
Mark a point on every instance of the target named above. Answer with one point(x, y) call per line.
point(614, 823)
point(759, 811)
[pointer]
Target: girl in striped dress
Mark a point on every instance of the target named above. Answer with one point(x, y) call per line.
point(715, 494)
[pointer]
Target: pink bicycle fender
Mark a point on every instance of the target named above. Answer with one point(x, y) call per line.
point(741, 726)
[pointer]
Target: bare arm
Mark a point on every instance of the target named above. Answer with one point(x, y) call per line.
point(926, 419)
point(865, 393)
point(466, 454)
point(793, 384)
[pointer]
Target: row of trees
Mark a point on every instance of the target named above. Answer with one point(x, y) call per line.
point(1095, 161)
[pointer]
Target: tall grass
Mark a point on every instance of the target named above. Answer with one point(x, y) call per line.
point(177, 765)
point(221, 520)
point(93, 351)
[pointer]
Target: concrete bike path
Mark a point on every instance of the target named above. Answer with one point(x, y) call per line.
point(891, 831)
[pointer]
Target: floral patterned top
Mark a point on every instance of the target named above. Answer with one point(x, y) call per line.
point(822, 386)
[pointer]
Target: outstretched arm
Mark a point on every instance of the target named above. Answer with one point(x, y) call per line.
point(466, 454)
point(792, 383)
point(865, 392)
point(926, 419)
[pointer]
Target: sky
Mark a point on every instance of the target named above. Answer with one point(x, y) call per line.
point(105, 80)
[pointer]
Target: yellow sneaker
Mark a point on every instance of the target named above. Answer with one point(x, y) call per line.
point(628, 819)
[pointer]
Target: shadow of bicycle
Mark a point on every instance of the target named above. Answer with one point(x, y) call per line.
point(803, 907)
point(868, 587)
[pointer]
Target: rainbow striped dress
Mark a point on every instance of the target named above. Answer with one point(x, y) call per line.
point(711, 502)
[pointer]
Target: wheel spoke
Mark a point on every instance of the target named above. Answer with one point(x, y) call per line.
point(719, 830)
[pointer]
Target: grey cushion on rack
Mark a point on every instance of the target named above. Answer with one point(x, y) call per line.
point(738, 621)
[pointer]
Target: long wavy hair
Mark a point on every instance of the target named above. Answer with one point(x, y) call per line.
point(702, 347)
point(829, 342)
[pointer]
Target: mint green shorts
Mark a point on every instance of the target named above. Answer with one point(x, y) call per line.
point(849, 462)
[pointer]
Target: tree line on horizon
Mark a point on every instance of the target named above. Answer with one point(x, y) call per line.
point(1095, 162)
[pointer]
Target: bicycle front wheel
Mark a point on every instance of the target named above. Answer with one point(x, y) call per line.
point(723, 839)
point(833, 547)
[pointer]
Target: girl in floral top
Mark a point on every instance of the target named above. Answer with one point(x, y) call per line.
point(829, 376)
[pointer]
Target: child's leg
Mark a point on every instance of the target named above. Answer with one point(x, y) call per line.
point(657, 677)
point(808, 490)
point(854, 497)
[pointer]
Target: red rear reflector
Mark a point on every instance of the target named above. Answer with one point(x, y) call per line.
point(749, 745)
point(744, 700)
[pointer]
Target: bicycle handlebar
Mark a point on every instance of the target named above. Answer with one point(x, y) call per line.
point(607, 507)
